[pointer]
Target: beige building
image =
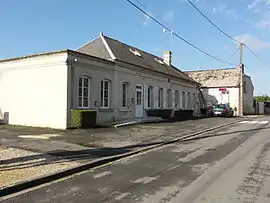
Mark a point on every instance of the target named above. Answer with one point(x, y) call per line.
point(223, 86)
point(118, 80)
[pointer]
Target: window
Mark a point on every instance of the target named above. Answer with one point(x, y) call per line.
point(245, 87)
point(169, 98)
point(194, 101)
point(183, 100)
point(189, 100)
point(105, 94)
point(135, 52)
point(84, 92)
point(176, 98)
point(159, 61)
point(124, 94)
point(150, 99)
point(160, 98)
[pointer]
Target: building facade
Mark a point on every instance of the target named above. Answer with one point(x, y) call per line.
point(117, 80)
point(223, 86)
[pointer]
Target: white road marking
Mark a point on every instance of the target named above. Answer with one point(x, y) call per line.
point(145, 180)
point(242, 122)
point(253, 122)
point(263, 122)
point(102, 174)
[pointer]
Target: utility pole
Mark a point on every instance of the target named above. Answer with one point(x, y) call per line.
point(241, 92)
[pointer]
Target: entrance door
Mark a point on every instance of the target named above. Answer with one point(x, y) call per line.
point(139, 101)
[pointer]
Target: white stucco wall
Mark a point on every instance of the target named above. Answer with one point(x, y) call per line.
point(215, 94)
point(33, 91)
point(98, 70)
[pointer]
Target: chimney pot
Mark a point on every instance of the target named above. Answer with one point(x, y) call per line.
point(167, 57)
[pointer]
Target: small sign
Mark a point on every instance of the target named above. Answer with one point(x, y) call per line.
point(223, 89)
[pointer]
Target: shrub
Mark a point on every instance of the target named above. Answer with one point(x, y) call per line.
point(83, 118)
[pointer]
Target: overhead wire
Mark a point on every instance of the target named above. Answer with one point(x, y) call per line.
point(226, 34)
point(173, 32)
point(253, 53)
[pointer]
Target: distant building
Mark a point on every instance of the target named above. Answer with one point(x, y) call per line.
point(223, 86)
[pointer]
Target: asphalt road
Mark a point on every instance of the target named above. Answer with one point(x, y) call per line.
point(228, 165)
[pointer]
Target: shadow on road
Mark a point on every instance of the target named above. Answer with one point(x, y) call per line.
point(222, 134)
point(60, 156)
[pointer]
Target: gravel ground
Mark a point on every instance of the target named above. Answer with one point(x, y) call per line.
point(18, 165)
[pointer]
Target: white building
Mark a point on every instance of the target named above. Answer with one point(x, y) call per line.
point(223, 86)
point(118, 80)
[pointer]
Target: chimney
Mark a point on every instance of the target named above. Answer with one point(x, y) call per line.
point(167, 57)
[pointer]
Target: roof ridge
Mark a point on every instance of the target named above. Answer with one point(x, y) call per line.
point(211, 70)
point(108, 48)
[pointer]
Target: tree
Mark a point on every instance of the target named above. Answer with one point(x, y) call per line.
point(263, 98)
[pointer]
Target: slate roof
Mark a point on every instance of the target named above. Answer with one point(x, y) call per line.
point(103, 45)
point(216, 78)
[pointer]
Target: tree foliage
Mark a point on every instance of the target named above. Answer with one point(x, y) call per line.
point(263, 98)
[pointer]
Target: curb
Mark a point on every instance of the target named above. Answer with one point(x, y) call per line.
point(45, 179)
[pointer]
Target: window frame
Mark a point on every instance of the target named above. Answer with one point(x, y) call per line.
point(102, 95)
point(80, 102)
point(189, 105)
point(169, 98)
point(160, 97)
point(126, 95)
point(150, 97)
point(184, 104)
point(194, 99)
point(176, 98)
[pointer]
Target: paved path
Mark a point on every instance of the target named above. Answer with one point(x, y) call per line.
point(229, 165)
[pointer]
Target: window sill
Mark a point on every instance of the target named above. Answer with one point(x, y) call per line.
point(105, 110)
point(124, 109)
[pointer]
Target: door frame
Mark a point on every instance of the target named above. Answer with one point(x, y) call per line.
point(142, 100)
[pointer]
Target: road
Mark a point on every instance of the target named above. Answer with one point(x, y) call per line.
point(228, 165)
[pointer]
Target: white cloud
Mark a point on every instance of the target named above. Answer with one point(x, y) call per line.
point(264, 22)
point(253, 42)
point(168, 16)
point(146, 20)
point(231, 14)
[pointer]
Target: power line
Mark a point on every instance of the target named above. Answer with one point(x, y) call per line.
point(233, 54)
point(211, 22)
point(252, 52)
point(177, 35)
point(223, 32)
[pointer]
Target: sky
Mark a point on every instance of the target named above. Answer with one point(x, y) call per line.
point(40, 26)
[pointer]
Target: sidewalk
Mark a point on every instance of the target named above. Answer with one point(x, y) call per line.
point(28, 153)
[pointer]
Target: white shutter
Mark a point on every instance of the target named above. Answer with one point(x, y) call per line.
point(156, 97)
point(145, 95)
point(173, 98)
point(164, 98)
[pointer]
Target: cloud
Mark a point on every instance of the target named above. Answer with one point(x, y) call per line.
point(223, 9)
point(168, 16)
point(230, 13)
point(146, 20)
point(253, 42)
point(264, 22)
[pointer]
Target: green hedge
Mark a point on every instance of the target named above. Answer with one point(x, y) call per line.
point(163, 113)
point(83, 118)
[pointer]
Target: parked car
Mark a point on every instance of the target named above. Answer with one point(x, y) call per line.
point(222, 110)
